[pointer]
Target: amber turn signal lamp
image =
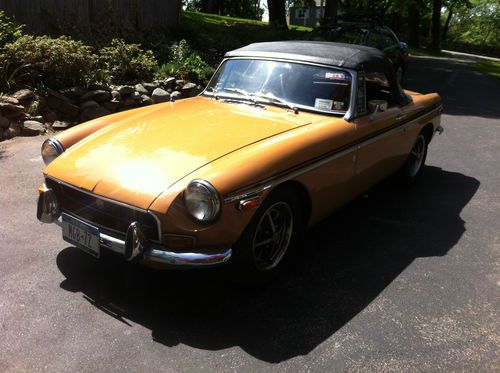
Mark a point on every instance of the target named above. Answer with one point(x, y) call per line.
point(249, 204)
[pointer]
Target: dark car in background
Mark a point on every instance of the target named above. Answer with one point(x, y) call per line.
point(372, 34)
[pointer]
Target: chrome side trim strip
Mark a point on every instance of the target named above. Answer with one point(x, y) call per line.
point(158, 222)
point(272, 181)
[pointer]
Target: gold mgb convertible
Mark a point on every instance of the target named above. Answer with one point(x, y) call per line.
point(284, 133)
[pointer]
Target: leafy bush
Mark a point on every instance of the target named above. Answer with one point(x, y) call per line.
point(126, 63)
point(186, 63)
point(11, 76)
point(57, 62)
point(9, 30)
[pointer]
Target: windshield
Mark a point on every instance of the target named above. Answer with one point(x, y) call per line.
point(277, 82)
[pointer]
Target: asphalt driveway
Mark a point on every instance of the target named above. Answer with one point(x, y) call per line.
point(399, 280)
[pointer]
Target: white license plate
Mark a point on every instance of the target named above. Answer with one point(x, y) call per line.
point(81, 234)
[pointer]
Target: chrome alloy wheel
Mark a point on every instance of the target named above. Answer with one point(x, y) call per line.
point(417, 156)
point(272, 236)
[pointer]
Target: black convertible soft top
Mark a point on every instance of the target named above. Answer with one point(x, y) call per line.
point(349, 56)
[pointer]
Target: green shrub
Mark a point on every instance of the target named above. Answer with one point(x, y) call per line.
point(186, 64)
point(9, 30)
point(126, 63)
point(57, 62)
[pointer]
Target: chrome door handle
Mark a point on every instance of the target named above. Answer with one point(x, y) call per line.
point(400, 116)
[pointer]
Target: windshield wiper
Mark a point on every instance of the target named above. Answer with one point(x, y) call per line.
point(277, 100)
point(272, 98)
point(241, 92)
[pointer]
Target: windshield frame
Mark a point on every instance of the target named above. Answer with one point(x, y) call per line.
point(347, 115)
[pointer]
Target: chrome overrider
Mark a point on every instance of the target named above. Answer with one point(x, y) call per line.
point(135, 247)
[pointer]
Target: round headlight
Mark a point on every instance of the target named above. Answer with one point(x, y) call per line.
point(51, 149)
point(202, 200)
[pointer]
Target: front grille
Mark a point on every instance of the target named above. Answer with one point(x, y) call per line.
point(113, 217)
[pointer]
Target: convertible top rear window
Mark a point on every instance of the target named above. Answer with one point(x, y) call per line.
point(301, 85)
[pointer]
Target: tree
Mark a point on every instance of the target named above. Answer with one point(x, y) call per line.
point(331, 8)
point(277, 13)
point(436, 25)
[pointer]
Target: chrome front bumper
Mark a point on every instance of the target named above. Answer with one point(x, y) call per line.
point(135, 247)
point(160, 254)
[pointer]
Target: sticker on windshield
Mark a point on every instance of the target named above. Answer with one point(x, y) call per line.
point(323, 103)
point(337, 76)
point(338, 105)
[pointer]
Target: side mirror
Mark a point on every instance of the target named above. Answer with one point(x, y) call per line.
point(403, 46)
point(375, 106)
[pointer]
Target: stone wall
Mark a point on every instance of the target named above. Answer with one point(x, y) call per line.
point(84, 17)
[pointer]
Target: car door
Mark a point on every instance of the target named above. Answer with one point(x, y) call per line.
point(381, 139)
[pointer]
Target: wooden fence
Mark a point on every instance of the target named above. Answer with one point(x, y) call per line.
point(89, 17)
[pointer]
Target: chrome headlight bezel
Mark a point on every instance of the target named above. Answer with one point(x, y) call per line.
point(202, 201)
point(51, 149)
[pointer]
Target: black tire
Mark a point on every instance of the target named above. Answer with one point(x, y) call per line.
point(255, 261)
point(415, 163)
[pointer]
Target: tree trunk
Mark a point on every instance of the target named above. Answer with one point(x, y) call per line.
point(447, 23)
point(436, 25)
point(277, 13)
point(330, 15)
point(414, 23)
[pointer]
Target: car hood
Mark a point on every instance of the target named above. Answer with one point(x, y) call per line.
point(135, 160)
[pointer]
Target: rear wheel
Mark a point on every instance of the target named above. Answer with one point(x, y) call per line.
point(270, 236)
point(414, 165)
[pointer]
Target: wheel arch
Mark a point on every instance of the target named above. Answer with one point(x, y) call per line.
point(304, 197)
point(428, 132)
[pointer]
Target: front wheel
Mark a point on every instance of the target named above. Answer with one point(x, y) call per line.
point(271, 234)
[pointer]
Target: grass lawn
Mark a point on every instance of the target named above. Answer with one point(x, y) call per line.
point(426, 52)
point(214, 35)
point(488, 67)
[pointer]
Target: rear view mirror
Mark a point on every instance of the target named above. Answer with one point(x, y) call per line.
point(375, 106)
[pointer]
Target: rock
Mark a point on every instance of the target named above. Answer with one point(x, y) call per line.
point(135, 96)
point(60, 125)
point(50, 116)
point(12, 131)
point(38, 118)
point(180, 82)
point(4, 122)
point(24, 95)
point(188, 89)
point(96, 95)
point(9, 100)
point(150, 87)
point(128, 102)
point(32, 128)
point(73, 93)
point(93, 113)
point(111, 105)
point(160, 95)
point(115, 95)
point(141, 89)
point(175, 95)
point(61, 103)
point(125, 90)
point(169, 82)
point(146, 100)
point(88, 104)
point(8, 107)
point(1, 133)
